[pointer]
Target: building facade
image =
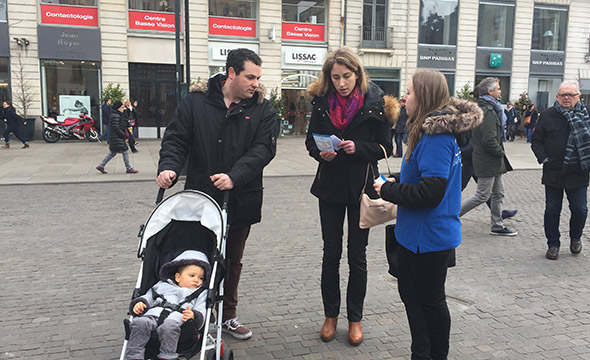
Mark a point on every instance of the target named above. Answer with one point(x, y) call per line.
point(65, 50)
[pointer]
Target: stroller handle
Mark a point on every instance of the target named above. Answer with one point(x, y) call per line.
point(161, 191)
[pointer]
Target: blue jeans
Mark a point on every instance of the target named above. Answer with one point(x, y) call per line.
point(398, 138)
point(553, 200)
point(529, 133)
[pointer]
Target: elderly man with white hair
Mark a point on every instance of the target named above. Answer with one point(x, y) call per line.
point(561, 142)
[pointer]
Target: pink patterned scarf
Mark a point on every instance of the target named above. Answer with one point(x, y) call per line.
point(343, 109)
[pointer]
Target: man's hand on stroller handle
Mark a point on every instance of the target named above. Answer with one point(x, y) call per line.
point(139, 308)
point(188, 314)
point(165, 178)
point(222, 181)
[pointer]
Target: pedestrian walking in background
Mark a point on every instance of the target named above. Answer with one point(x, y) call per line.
point(13, 122)
point(130, 115)
point(400, 129)
point(428, 194)
point(117, 136)
point(346, 104)
point(489, 158)
point(106, 117)
point(561, 142)
point(530, 121)
point(133, 118)
point(228, 130)
point(510, 121)
point(521, 118)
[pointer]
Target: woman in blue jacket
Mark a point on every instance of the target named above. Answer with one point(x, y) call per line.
point(428, 194)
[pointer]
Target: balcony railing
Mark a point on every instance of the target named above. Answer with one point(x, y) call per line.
point(378, 37)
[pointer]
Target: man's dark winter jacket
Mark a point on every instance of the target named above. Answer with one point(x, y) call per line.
point(117, 134)
point(488, 149)
point(341, 180)
point(106, 114)
point(549, 141)
point(239, 142)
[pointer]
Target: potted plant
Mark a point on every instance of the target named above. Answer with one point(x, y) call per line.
point(23, 98)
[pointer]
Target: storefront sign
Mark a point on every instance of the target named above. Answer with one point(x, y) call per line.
point(306, 32)
point(69, 15)
point(495, 60)
point(232, 27)
point(4, 40)
point(63, 43)
point(547, 63)
point(437, 57)
point(141, 20)
point(303, 55)
point(218, 51)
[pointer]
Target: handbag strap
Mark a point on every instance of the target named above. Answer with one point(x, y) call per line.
point(369, 167)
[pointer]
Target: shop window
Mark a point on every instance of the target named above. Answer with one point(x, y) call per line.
point(504, 85)
point(450, 82)
point(152, 5)
point(245, 9)
point(495, 26)
point(542, 91)
point(3, 10)
point(73, 78)
point(312, 12)
point(91, 3)
point(438, 22)
point(4, 80)
point(387, 79)
point(549, 28)
point(374, 29)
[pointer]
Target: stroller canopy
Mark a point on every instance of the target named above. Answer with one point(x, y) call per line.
point(187, 205)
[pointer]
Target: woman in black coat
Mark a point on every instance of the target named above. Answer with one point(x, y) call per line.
point(12, 125)
point(347, 105)
point(117, 137)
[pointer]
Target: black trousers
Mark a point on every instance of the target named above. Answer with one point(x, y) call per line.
point(421, 285)
point(332, 220)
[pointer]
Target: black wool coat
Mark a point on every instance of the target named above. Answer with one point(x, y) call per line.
point(117, 136)
point(239, 142)
point(549, 141)
point(341, 180)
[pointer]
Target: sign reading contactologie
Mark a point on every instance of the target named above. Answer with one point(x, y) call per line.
point(69, 15)
point(141, 20)
point(232, 27)
point(307, 32)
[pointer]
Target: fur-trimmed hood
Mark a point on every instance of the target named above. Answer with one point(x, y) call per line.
point(391, 107)
point(459, 117)
point(203, 87)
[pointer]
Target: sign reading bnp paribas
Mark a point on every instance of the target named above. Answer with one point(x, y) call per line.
point(547, 62)
point(437, 57)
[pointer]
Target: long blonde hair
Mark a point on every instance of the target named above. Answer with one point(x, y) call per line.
point(431, 94)
point(343, 56)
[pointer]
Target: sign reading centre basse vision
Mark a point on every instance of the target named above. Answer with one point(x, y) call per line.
point(141, 20)
point(69, 15)
point(298, 31)
point(232, 27)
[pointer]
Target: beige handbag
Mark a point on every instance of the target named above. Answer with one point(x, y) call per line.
point(375, 211)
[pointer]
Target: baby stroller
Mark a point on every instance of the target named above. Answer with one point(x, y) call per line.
point(187, 220)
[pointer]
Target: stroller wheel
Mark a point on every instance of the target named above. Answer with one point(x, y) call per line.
point(226, 353)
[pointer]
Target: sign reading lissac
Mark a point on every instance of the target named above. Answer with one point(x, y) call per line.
point(297, 55)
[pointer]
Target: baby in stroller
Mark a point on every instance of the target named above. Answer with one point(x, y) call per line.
point(180, 295)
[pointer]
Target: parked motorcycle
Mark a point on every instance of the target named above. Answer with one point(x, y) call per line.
point(70, 128)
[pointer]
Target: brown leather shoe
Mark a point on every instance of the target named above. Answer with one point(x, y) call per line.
point(5, 146)
point(328, 329)
point(355, 333)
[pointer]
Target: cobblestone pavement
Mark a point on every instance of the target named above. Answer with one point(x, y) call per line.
point(66, 284)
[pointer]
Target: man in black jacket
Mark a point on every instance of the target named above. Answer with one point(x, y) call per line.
point(228, 131)
point(106, 117)
point(561, 142)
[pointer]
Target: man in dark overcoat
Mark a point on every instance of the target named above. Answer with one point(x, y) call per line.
point(561, 142)
point(228, 131)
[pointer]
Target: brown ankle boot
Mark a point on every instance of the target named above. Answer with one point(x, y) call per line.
point(6, 146)
point(355, 333)
point(328, 329)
